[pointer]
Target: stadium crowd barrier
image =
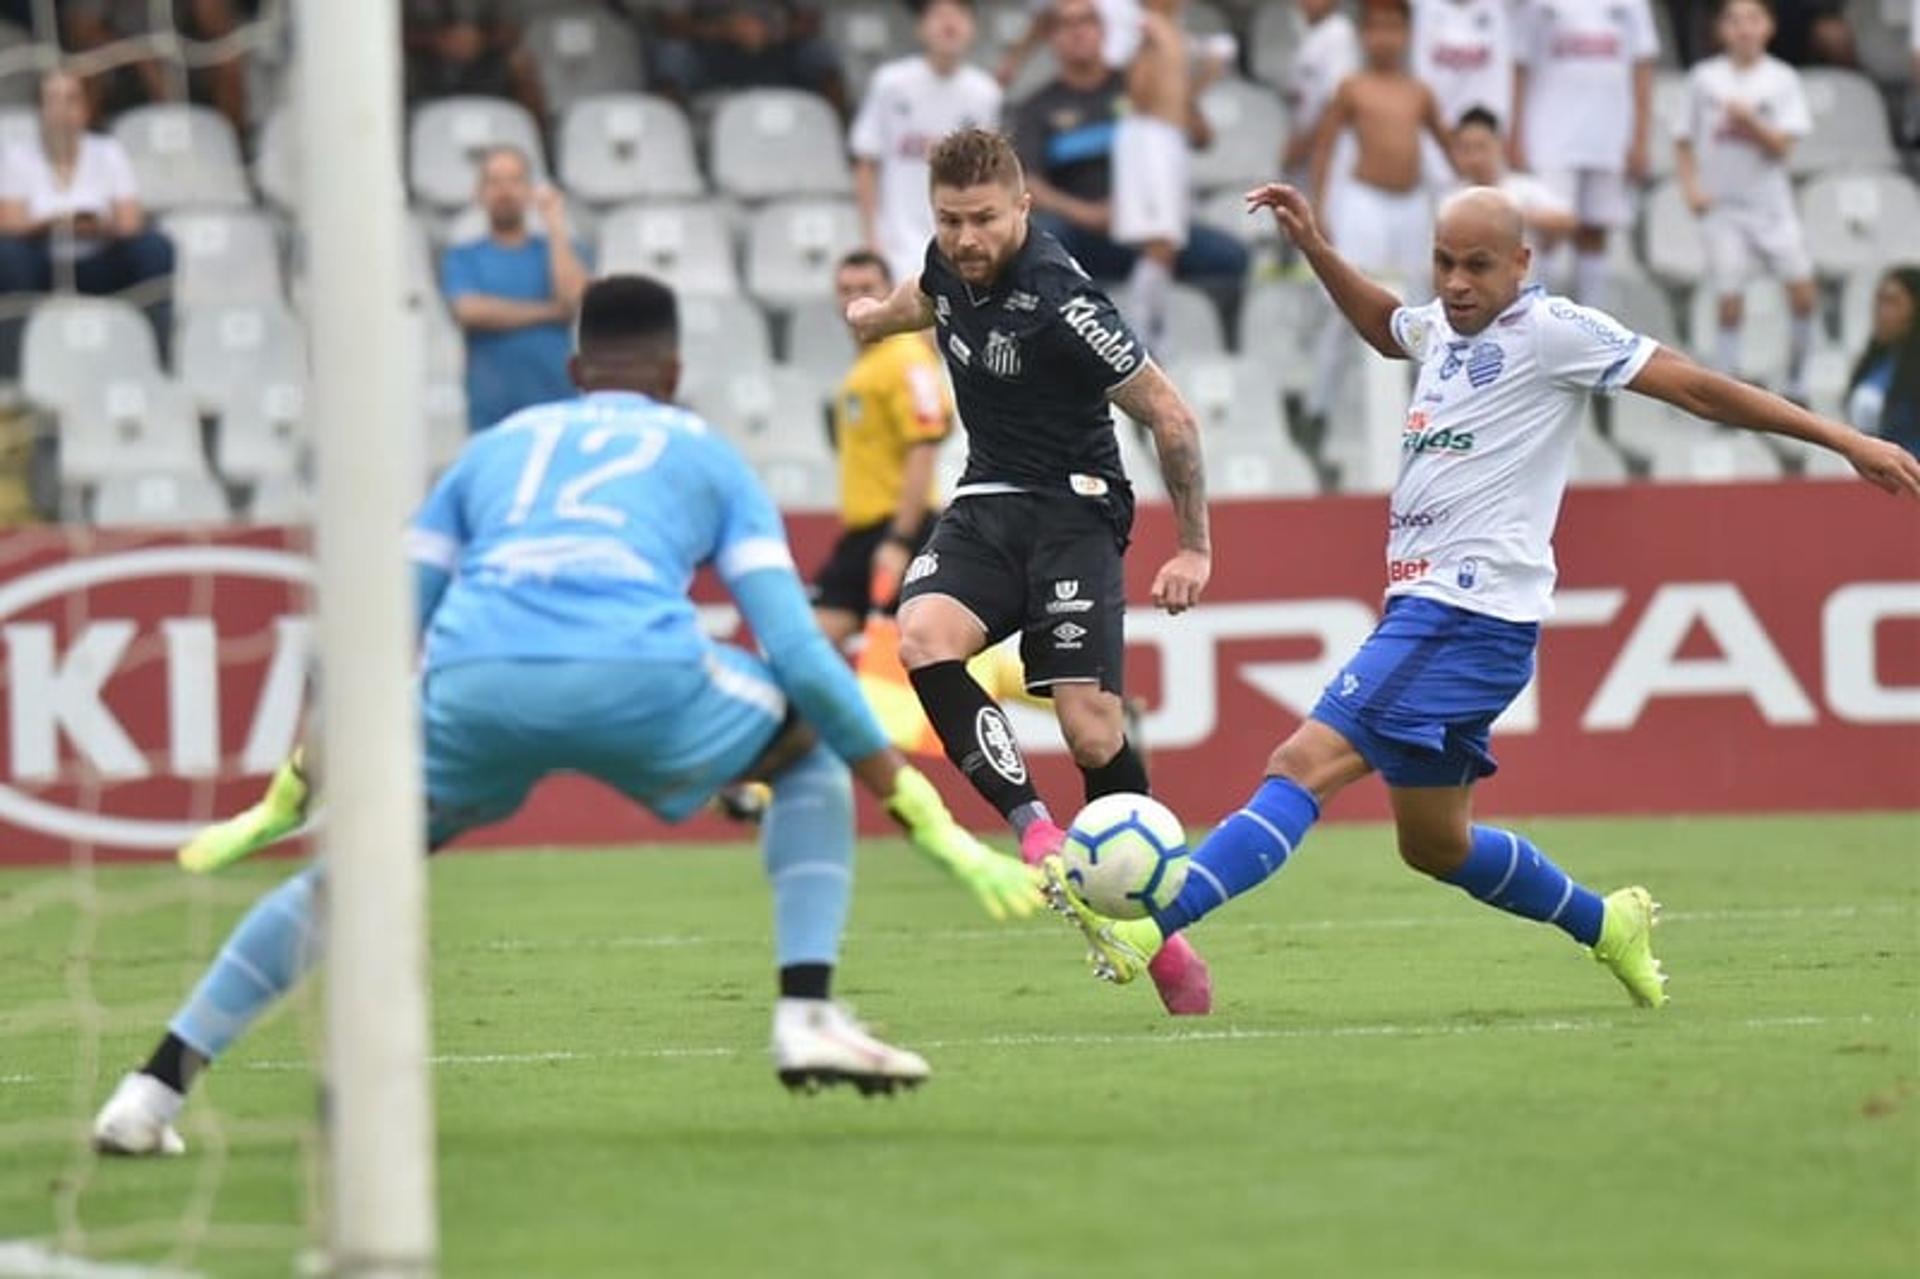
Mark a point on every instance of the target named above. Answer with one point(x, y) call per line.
point(1715, 649)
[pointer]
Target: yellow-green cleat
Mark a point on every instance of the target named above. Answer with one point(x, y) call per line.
point(1626, 945)
point(1118, 950)
point(279, 813)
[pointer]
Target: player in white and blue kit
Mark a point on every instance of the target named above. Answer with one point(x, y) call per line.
point(554, 560)
point(1505, 373)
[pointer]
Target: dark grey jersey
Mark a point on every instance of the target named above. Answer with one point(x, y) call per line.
point(1033, 360)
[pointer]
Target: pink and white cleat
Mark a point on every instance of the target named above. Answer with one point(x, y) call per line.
point(1181, 977)
point(1042, 840)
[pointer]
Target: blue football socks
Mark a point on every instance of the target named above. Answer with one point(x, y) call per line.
point(1506, 870)
point(806, 842)
point(269, 951)
point(1243, 851)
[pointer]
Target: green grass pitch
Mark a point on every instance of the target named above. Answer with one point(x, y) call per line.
point(1397, 1081)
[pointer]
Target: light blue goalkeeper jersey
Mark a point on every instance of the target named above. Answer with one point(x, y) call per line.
point(572, 531)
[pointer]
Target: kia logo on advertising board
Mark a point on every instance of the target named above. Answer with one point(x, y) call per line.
point(142, 685)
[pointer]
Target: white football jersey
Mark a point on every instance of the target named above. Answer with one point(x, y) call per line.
point(1487, 444)
point(908, 108)
point(1580, 56)
point(1735, 170)
point(1463, 50)
point(1328, 53)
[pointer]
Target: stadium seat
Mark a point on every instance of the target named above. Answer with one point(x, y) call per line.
point(1238, 466)
point(721, 335)
point(284, 499)
point(1232, 395)
point(219, 349)
point(1595, 462)
point(470, 224)
point(129, 425)
point(183, 155)
point(1275, 318)
point(802, 482)
point(445, 406)
point(818, 341)
point(1193, 323)
point(1137, 459)
point(792, 247)
point(1849, 124)
point(1860, 221)
point(73, 344)
point(263, 431)
point(1856, 308)
point(1642, 305)
point(1226, 210)
point(685, 245)
point(1675, 246)
point(1249, 128)
point(276, 159)
point(223, 256)
point(1276, 34)
point(776, 411)
point(445, 139)
point(582, 53)
point(1764, 332)
point(628, 147)
point(778, 142)
point(130, 501)
point(1679, 447)
point(868, 33)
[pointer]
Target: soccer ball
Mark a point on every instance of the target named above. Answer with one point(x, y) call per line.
point(1126, 855)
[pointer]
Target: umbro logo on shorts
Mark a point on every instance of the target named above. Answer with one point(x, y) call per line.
point(1067, 636)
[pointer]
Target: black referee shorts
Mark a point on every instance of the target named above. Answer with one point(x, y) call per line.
point(845, 581)
point(1046, 565)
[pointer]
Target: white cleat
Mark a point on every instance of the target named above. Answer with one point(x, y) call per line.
point(138, 1119)
point(817, 1044)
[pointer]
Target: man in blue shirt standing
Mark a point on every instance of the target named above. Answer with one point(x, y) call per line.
point(515, 293)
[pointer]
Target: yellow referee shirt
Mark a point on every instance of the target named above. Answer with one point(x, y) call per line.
point(892, 400)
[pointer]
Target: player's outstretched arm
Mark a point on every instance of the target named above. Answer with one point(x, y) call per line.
point(1367, 306)
point(1149, 396)
point(907, 311)
point(1678, 381)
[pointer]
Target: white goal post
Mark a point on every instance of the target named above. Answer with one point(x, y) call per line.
point(380, 1173)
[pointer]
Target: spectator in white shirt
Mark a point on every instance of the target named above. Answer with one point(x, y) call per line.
point(911, 104)
point(70, 214)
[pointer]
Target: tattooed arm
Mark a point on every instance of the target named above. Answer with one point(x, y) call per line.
point(1151, 398)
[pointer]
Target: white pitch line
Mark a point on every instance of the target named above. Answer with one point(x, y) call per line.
point(1174, 1038)
point(30, 1259)
point(652, 941)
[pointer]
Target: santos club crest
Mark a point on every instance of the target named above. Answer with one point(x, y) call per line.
point(1002, 356)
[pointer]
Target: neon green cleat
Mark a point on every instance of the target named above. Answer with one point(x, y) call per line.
point(1626, 945)
point(1118, 950)
point(278, 814)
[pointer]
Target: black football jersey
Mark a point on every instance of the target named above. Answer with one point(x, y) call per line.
point(1033, 358)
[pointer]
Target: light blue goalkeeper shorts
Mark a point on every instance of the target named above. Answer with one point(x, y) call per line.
point(666, 734)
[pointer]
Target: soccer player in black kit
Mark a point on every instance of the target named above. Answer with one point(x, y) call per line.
point(1033, 538)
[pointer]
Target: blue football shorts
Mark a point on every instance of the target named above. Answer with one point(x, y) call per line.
point(1419, 699)
point(666, 734)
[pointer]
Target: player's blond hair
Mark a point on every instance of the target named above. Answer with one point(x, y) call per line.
point(975, 157)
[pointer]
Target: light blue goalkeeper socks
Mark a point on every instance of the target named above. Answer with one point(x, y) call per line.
point(1506, 870)
point(1243, 851)
point(268, 952)
point(806, 844)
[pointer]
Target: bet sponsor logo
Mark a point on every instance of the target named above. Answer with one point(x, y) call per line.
point(1111, 343)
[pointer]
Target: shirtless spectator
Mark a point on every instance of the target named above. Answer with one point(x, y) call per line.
point(1152, 179)
point(1378, 214)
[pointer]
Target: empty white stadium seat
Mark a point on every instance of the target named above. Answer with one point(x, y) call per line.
point(1595, 462)
point(776, 411)
point(685, 245)
point(1232, 395)
point(218, 349)
point(777, 142)
point(1193, 323)
point(1276, 317)
point(818, 341)
point(800, 482)
point(1675, 247)
point(284, 499)
point(130, 425)
point(1849, 124)
point(446, 138)
point(792, 247)
point(1226, 210)
point(1860, 221)
point(1639, 302)
point(581, 53)
point(1249, 128)
point(719, 336)
point(183, 155)
point(1680, 447)
point(276, 159)
point(868, 33)
point(128, 501)
point(1276, 34)
point(74, 343)
point(223, 256)
point(1764, 332)
point(1238, 466)
point(628, 147)
point(263, 431)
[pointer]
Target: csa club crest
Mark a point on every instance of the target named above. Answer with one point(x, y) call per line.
point(1002, 356)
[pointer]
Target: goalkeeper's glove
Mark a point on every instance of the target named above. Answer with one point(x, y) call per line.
point(1004, 887)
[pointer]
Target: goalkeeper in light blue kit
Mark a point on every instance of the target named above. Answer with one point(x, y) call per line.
point(554, 560)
